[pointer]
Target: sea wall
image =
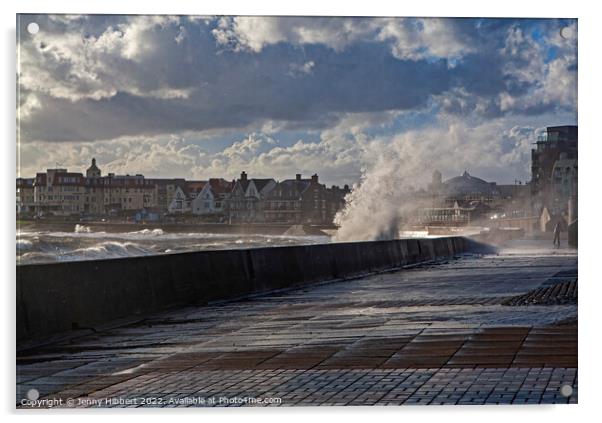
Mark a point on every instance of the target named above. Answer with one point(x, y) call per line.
point(59, 297)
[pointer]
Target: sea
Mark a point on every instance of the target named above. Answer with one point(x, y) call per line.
point(47, 245)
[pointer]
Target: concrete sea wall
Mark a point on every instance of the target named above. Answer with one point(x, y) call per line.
point(59, 297)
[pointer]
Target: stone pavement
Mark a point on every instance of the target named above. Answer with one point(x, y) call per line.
point(444, 333)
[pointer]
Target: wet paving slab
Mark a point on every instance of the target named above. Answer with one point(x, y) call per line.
point(442, 333)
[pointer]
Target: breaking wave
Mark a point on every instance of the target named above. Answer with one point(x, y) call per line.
point(86, 244)
point(109, 249)
point(24, 245)
point(151, 232)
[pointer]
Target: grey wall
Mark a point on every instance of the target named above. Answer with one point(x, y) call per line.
point(54, 298)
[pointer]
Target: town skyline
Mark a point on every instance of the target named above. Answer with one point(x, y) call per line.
point(82, 170)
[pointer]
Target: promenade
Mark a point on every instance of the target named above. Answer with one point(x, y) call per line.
point(493, 329)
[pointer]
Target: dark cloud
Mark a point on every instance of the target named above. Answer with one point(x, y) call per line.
point(102, 77)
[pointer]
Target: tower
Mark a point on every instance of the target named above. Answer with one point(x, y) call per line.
point(93, 171)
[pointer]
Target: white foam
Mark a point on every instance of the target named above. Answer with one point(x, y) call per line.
point(86, 244)
point(151, 232)
point(108, 249)
point(82, 229)
point(24, 245)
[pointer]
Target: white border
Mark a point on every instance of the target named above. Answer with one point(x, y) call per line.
point(590, 154)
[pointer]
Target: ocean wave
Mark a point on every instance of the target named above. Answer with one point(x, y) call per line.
point(82, 244)
point(37, 257)
point(108, 249)
point(24, 245)
point(151, 232)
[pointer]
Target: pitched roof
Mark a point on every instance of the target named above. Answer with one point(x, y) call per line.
point(290, 189)
point(67, 179)
point(244, 183)
point(220, 185)
point(195, 186)
point(261, 183)
point(25, 182)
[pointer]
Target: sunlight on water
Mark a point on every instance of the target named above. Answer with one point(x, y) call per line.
point(83, 243)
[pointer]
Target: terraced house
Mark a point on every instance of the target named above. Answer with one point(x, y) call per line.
point(247, 200)
point(292, 201)
point(59, 192)
point(299, 200)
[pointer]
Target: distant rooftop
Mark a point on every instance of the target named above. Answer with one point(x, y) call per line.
point(559, 133)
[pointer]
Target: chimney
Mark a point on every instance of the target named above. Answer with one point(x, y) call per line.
point(298, 176)
point(314, 178)
point(243, 176)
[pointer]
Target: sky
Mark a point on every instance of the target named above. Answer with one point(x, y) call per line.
point(200, 97)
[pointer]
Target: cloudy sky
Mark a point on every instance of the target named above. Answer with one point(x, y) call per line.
point(201, 97)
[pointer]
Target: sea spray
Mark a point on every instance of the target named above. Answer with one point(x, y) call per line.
point(386, 197)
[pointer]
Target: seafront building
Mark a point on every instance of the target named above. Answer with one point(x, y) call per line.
point(299, 200)
point(58, 192)
point(247, 199)
point(554, 169)
point(539, 204)
point(467, 200)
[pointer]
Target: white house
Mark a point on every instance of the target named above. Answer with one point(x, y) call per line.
point(212, 198)
point(179, 202)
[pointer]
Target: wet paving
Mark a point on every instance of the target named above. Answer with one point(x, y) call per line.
point(443, 333)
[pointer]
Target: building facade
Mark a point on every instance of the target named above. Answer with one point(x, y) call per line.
point(59, 192)
point(564, 184)
point(248, 197)
point(466, 199)
point(25, 196)
point(546, 175)
point(212, 199)
point(284, 204)
point(304, 201)
point(62, 193)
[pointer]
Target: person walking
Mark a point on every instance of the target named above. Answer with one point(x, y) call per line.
point(557, 229)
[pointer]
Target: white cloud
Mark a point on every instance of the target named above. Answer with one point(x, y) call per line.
point(553, 81)
point(491, 150)
point(301, 69)
point(253, 33)
point(75, 66)
point(133, 75)
point(416, 39)
point(28, 105)
point(411, 39)
point(183, 85)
